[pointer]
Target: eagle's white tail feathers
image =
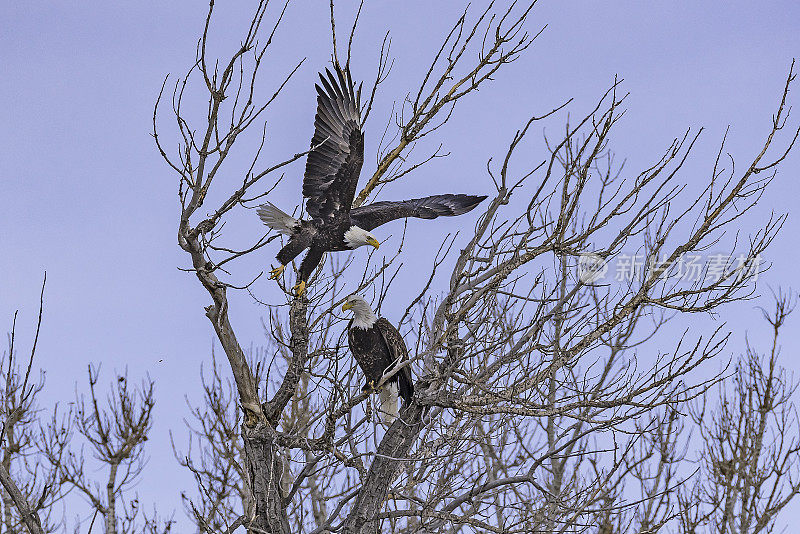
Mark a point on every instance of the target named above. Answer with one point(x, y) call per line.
point(388, 408)
point(276, 219)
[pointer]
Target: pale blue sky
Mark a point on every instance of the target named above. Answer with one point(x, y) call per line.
point(86, 197)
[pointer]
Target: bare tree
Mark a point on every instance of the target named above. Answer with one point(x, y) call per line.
point(533, 405)
point(43, 456)
point(115, 434)
point(548, 398)
point(750, 456)
point(30, 491)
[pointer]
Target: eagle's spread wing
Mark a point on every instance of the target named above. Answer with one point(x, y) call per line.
point(378, 213)
point(333, 167)
point(398, 353)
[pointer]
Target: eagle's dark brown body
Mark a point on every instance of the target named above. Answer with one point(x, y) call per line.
point(377, 349)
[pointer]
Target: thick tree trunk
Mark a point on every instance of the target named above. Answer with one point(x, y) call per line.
point(264, 471)
point(111, 508)
point(217, 313)
point(262, 463)
point(363, 518)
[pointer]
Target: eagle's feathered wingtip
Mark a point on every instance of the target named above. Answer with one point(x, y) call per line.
point(460, 204)
point(477, 199)
point(337, 85)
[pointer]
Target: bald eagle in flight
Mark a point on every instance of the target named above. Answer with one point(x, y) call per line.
point(378, 348)
point(330, 182)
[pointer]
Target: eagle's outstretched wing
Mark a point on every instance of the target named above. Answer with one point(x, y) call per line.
point(399, 353)
point(333, 167)
point(378, 213)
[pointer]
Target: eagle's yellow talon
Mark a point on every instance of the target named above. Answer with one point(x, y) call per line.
point(276, 272)
point(300, 288)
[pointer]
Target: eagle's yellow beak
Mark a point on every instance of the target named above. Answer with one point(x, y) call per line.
point(346, 306)
point(374, 242)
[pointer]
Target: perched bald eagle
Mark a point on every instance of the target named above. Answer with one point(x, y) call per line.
point(330, 182)
point(378, 347)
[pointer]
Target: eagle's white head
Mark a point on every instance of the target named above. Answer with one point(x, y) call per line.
point(363, 316)
point(356, 237)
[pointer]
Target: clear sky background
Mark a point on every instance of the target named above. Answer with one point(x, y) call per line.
point(85, 196)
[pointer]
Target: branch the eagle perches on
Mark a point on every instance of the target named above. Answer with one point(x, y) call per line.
point(514, 330)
